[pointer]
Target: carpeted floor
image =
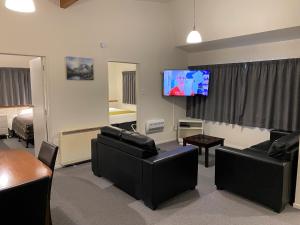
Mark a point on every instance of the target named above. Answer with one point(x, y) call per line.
point(80, 198)
point(13, 143)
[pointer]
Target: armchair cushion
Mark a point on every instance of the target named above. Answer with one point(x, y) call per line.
point(263, 146)
point(284, 145)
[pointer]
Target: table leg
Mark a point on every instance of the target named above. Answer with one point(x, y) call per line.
point(200, 150)
point(184, 142)
point(206, 157)
point(222, 143)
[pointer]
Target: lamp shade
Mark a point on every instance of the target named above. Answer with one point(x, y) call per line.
point(24, 6)
point(194, 37)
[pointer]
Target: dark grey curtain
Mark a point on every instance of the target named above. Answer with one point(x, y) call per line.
point(222, 103)
point(15, 87)
point(259, 94)
point(271, 97)
point(129, 87)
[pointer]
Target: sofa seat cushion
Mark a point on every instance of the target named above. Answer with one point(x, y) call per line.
point(140, 141)
point(283, 145)
point(263, 146)
point(276, 134)
point(255, 152)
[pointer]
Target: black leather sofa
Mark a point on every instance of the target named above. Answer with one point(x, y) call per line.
point(133, 163)
point(265, 173)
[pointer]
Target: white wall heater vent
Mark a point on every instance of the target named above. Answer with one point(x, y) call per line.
point(75, 145)
point(155, 126)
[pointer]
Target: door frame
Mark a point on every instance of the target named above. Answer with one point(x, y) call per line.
point(45, 85)
point(137, 85)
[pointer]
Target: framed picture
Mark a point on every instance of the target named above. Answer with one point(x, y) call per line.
point(80, 68)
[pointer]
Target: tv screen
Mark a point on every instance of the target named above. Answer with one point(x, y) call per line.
point(186, 82)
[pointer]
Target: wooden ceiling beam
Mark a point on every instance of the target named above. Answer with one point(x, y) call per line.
point(66, 3)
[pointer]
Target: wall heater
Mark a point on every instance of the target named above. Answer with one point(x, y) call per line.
point(75, 145)
point(155, 126)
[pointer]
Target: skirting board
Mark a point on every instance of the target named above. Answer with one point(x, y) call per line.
point(296, 206)
point(165, 141)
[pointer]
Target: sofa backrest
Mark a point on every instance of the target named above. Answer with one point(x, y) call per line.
point(134, 144)
point(284, 146)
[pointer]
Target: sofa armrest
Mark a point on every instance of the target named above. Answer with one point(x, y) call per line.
point(253, 175)
point(95, 157)
point(168, 174)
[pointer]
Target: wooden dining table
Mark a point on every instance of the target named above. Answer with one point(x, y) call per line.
point(18, 167)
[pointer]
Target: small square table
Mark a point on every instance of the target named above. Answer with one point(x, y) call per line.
point(203, 141)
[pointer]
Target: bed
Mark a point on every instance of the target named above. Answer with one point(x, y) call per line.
point(22, 126)
point(122, 118)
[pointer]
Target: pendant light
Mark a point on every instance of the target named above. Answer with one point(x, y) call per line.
point(24, 6)
point(194, 36)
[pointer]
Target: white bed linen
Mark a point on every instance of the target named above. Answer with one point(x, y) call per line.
point(121, 118)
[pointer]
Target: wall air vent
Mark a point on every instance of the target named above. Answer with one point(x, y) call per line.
point(155, 126)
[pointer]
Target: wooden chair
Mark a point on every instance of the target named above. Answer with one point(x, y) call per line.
point(47, 155)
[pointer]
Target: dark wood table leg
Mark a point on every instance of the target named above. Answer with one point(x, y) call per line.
point(200, 150)
point(184, 142)
point(222, 143)
point(206, 157)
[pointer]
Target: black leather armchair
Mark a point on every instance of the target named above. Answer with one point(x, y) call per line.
point(254, 174)
point(132, 162)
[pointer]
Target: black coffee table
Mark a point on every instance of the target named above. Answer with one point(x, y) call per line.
point(203, 141)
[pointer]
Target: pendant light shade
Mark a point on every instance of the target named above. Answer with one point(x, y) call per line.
point(24, 6)
point(194, 36)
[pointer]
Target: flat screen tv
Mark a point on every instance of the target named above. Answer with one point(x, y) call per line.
point(186, 82)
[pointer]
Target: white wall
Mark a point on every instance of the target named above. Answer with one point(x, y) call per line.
point(234, 135)
point(14, 61)
point(133, 31)
point(116, 84)
point(222, 19)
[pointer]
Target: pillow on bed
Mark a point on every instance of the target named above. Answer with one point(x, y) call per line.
point(26, 111)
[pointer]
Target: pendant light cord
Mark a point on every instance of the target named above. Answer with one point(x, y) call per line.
point(194, 14)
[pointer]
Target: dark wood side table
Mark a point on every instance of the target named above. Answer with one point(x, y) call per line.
point(203, 141)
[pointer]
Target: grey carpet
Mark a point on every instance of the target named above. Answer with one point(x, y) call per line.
point(13, 143)
point(80, 198)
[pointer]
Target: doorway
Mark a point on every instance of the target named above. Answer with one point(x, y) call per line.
point(22, 102)
point(122, 86)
